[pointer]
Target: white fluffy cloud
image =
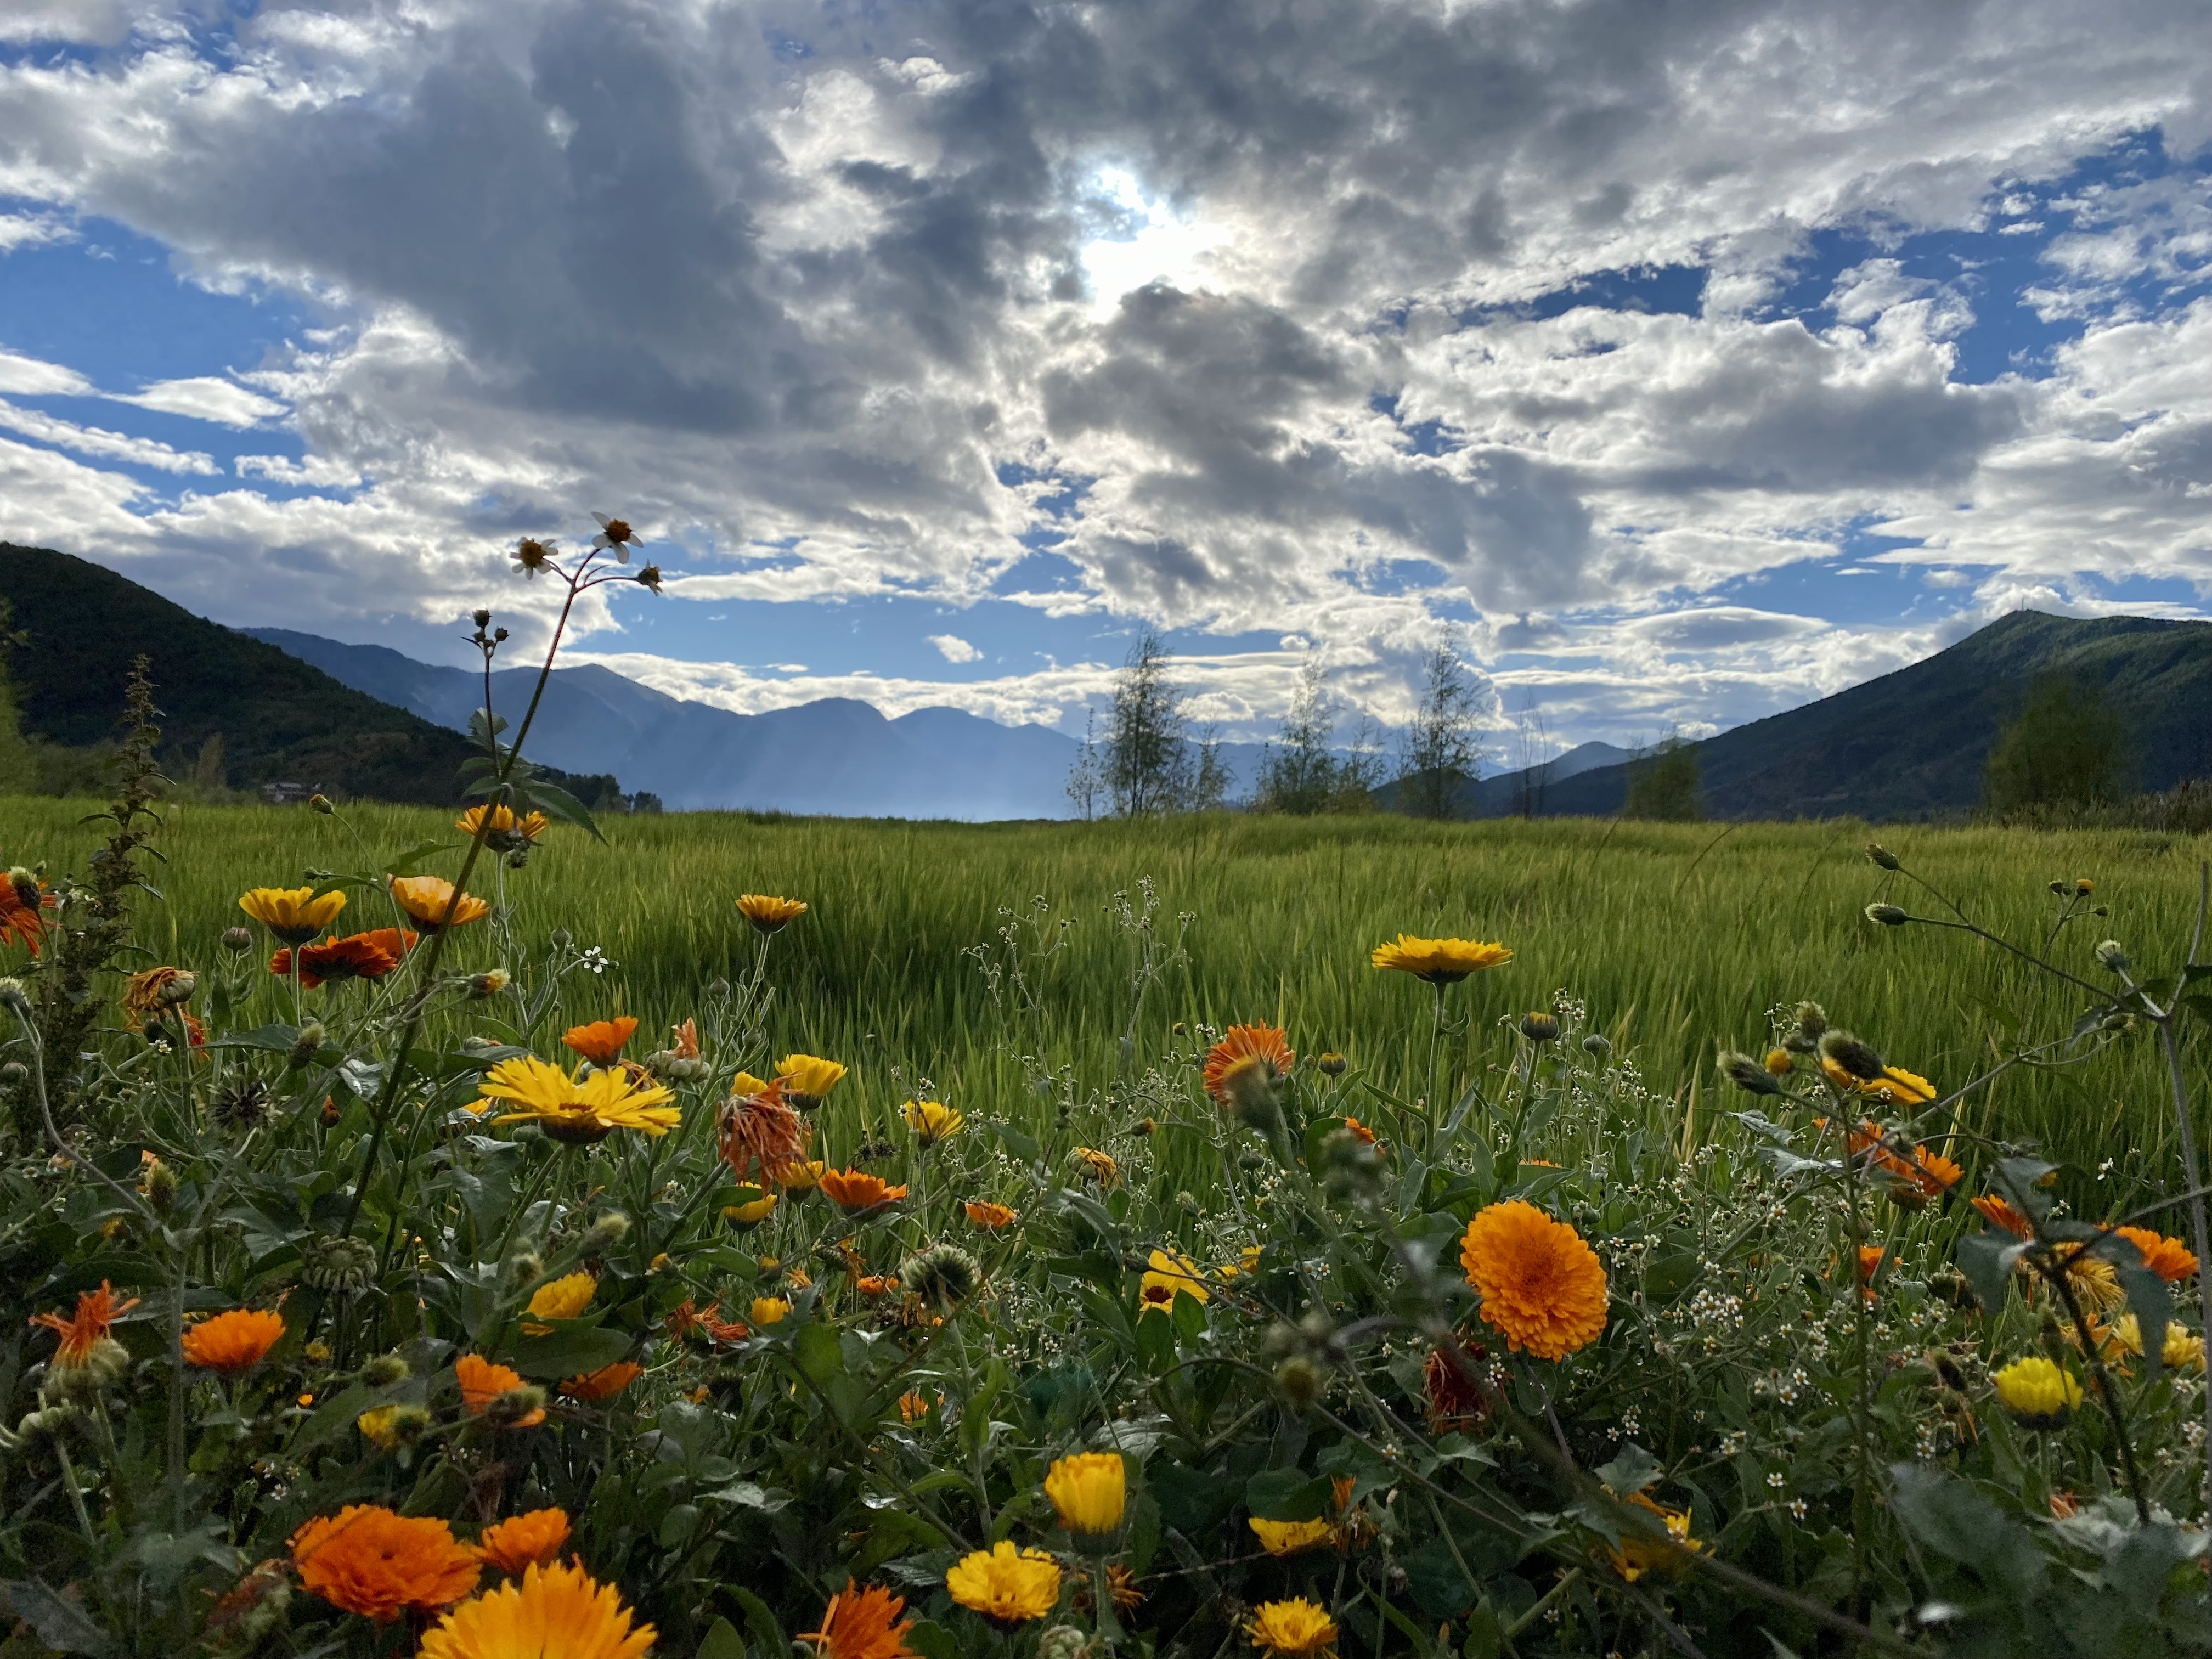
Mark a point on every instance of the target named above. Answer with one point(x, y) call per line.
point(828, 298)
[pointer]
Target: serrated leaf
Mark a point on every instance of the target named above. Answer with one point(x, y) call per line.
point(1287, 1495)
point(819, 1353)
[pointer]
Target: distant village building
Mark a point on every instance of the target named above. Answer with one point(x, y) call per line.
point(292, 794)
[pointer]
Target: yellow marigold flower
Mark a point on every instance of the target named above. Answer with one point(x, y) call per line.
point(1541, 1285)
point(1169, 1275)
point(860, 1624)
point(1247, 1262)
point(426, 900)
point(744, 1083)
point(769, 914)
point(514, 1546)
point(1098, 1166)
point(1007, 1586)
point(1896, 1085)
point(2096, 1282)
point(807, 1080)
point(232, 1343)
point(553, 1613)
point(769, 1310)
point(1439, 961)
point(1638, 1556)
point(295, 914)
point(380, 1426)
point(572, 1110)
point(932, 1121)
point(801, 1174)
point(1296, 1629)
point(1089, 1491)
point(1780, 1062)
point(990, 1217)
point(1291, 1537)
point(913, 1405)
point(2181, 1351)
point(564, 1298)
point(752, 1214)
point(506, 831)
point(2037, 1392)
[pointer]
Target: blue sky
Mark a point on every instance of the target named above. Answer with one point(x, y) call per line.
point(931, 383)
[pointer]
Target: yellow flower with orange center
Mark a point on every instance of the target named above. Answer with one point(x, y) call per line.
point(1541, 1285)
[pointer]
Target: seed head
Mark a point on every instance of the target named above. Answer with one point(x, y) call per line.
point(944, 1275)
point(1889, 915)
point(508, 1410)
point(1812, 1021)
point(1331, 1064)
point(2114, 956)
point(1747, 1073)
point(1882, 855)
point(1300, 1380)
point(1540, 1027)
point(306, 1046)
point(1597, 1046)
point(609, 1230)
point(15, 999)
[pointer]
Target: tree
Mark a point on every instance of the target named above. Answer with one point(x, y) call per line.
point(1298, 774)
point(1086, 778)
point(1146, 760)
point(2068, 745)
point(1440, 754)
point(1662, 785)
point(1532, 776)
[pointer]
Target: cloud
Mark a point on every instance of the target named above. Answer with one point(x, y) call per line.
point(953, 648)
point(205, 398)
point(32, 377)
point(98, 441)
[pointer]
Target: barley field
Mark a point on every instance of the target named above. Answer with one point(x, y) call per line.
point(1678, 940)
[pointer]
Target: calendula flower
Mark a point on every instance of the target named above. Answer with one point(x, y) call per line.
point(932, 1121)
point(913, 1405)
point(506, 832)
point(1780, 1062)
point(1242, 1070)
point(232, 1343)
point(1893, 1084)
point(1007, 1586)
point(1439, 961)
point(1296, 1629)
point(551, 1612)
point(2001, 1216)
point(769, 1310)
point(875, 1286)
point(683, 1040)
point(1247, 1263)
point(1101, 1169)
point(295, 914)
point(1638, 1556)
point(990, 1217)
point(2181, 1351)
point(371, 955)
point(1291, 1537)
point(1541, 1285)
point(2169, 1258)
point(1870, 1256)
point(806, 1080)
point(2038, 1392)
point(427, 899)
point(857, 1190)
point(579, 1111)
point(156, 989)
point(2096, 1282)
point(1171, 1275)
point(769, 914)
point(758, 1129)
point(366, 1560)
point(1089, 1491)
point(800, 1175)
point(563, 1298)
point(514, 1546)
point(483, 1381)
point(84, 1334)
point(24, 902)
point(604, 1384)
point(601, 1042)
point(751, 1214)
point(862, 1624)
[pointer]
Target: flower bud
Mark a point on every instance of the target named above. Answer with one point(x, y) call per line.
point(1889, 915)
point(1780, 1062)
point(482, 618)
point(1300, 1380)
point(1597, 1046)
point(1852, 1055)
point(508, 1410)
point(563, 938)
point(718, 987)
point(306, 1046)
point(2058, 889)
point(317, 1353)
point(1882, 855)
point(386, 1371)
point(237, 939)
point(1331, 1064)
point(1186, 1201)
point(490, 983)
point(1747, 1073)
point(609, 1230)
point(14, 1074)
point(2113, 957)
point(2084, 886)
point(320, 804)
point(15, 999)
point(1060, 1642)
point(1540, 1027)
point(158, 1186)
point(1812, 1021)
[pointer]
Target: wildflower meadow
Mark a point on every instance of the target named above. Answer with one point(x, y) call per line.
point(510, 1237)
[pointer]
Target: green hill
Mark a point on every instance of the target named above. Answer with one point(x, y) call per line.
point(79, 625)
point(1912, 744)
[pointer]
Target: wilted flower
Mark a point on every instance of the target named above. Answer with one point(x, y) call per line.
point(86, 1346)
point(757, 1128)
point(155, 989)
point(1638, 1556)
point(1449, 1391)
point(1099, 1168)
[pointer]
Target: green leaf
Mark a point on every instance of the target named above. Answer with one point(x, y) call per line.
point(409, 862)
point(559, 804)
point(819, 1353)
point(1987, 1259)
point(1021, 1145)
point(759, 1620)
point(1286, 1495)
point(1631, 1470)
point(723, 1641)
point(1189, 1316)
point(1155, 1340)
point(932, 1640)
point(277, 1039)
point(2148, 1298)
point(573, 1350)
point(62, 1624)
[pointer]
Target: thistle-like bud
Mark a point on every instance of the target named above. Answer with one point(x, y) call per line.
point(1889, 915)
point(1300, 1380)
point(26, 884)
point(386, 1371)
point(306, 1046)
point(944, 1275)
point(237, 939)
point(488, 983)
point(609, 1230)
point(1882, 855)
point(1597, 1046)
point(14, 1074)
point(1540, 1027)
point(1812, 1021)
point(2114, 956)
point(2058, 889)
point(320, 804)
point(158, 1186)
point(1331, 1064)
point(482, 618)
point(1186, 1201)
point(1747, 1073)
point(338, 1264)
point(524, 1266)
point(2085, 886)
point(563, 938)
point(15, 999)
point(1852, 1055)
point(507, 1411)
point(1250, 1163)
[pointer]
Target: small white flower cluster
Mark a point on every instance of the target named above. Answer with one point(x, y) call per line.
point(1711, 1306)
point(595, 960)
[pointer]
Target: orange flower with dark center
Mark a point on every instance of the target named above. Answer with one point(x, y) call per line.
point(857, 1190)
point(862, 1624)
point(426, 900)
point(988, 1216)
point(601, 1042)
point(2169, 1258)
point(1541, 1285)
point(84, 1330)
point(1360, 1132)
point(355, 957)
point(483, 1381)
point(24, 902)
point(367, 1560)
point(232, 1343)
point(604, 1384)
point(1450, 1392)
point(1248, 1057)
point(2001, 1216)
point(523, 1540)
point(761, 1129)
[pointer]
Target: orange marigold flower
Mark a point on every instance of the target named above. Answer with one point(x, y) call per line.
point(483, 1381)
point(862, 1624)
point(2001, 1216)
point(83, 1331)
point(2169, 1258)
point(1247, 1057)
point(770, 914)
point(604, 1384)
point(1870, 1259)
point(235, 1342)
point(523, 1540)
point(24, 901)
point(761, 1128)
point(1360, 1132)
point(426, 900)
point(358, 956)
point(875, 1286)
point(988, 1216)
point(549, 1612)
point(857, 1190)
point(1541, 1285)
point(367, 1560)
point(602, 1041)
point(913, 1406)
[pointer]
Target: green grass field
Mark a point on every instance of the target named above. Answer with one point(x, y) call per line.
point(1678, 938)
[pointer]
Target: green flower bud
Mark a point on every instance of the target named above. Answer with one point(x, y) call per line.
point(1889, 915)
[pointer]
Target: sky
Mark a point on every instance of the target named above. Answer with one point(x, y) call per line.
point(1674, 365)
